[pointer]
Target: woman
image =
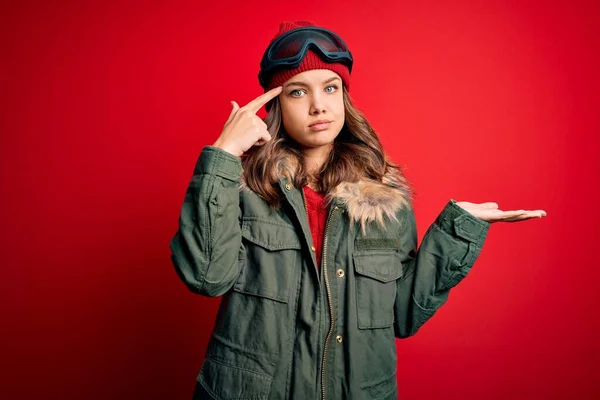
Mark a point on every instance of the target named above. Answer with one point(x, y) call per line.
point(308, 232)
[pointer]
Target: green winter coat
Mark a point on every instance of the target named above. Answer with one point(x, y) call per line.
point(286, 329)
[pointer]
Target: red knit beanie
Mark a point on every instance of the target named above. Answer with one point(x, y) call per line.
point(310, 61)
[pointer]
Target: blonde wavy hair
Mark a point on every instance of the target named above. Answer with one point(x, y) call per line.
point(357, 154)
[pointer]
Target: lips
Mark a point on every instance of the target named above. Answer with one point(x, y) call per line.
point(320, 125)
point(322, 121)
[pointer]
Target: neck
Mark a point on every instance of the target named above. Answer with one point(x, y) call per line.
point(315, 157)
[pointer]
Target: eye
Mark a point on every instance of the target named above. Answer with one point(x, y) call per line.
point(294, 91)
point(331, 86)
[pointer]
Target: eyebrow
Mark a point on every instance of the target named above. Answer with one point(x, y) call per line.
point(299, 83)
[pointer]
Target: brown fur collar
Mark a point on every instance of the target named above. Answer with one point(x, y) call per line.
point(370, 201)
point(367, 200)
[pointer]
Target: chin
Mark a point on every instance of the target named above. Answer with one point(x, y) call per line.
point(312, 139)
point(320, 139)
point(326, 135)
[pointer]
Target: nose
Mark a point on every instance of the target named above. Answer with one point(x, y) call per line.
point(317, 105)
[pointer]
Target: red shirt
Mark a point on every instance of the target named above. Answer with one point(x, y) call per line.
point(317, 217)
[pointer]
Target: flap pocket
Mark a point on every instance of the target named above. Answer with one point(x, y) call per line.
point(376, 276)
point(270, 234)
point(384, 266)
point(272, 257)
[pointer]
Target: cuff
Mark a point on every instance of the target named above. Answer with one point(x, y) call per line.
point(215, 161)
point(459, 222)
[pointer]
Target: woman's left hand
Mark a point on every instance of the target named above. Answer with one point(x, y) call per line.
point(489, 212)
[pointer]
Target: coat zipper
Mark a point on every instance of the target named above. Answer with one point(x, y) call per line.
point(332, 320)
point(328, 289)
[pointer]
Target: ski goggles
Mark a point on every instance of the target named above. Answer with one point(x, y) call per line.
point(288, 50)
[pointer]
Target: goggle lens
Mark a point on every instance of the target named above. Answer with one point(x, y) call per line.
point(292, 44)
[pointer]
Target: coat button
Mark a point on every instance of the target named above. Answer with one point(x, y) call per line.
point(340, 273)
point(313, 248)
point(288, 186)
point(339, 338)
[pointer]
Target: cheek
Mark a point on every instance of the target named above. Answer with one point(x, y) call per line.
point(291, 119)
point(288, 121)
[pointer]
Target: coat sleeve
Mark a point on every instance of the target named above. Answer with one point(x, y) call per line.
point(207, 249)
point(447, 252)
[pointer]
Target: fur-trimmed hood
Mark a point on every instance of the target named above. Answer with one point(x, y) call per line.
point(366, 200)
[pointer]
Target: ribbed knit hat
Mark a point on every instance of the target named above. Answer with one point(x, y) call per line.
point(310, 61)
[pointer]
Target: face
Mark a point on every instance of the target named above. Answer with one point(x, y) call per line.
point(308, 98)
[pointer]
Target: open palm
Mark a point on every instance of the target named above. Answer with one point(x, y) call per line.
point(491, 213)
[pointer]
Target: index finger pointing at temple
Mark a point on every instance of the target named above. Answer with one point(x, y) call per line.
point(263, 99)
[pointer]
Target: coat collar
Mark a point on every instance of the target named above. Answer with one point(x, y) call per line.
point(368, 201)
point(365, 201)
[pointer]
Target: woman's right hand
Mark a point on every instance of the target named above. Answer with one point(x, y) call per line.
point(244, 129)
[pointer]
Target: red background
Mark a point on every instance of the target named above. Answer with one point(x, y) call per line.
point(106, 106)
